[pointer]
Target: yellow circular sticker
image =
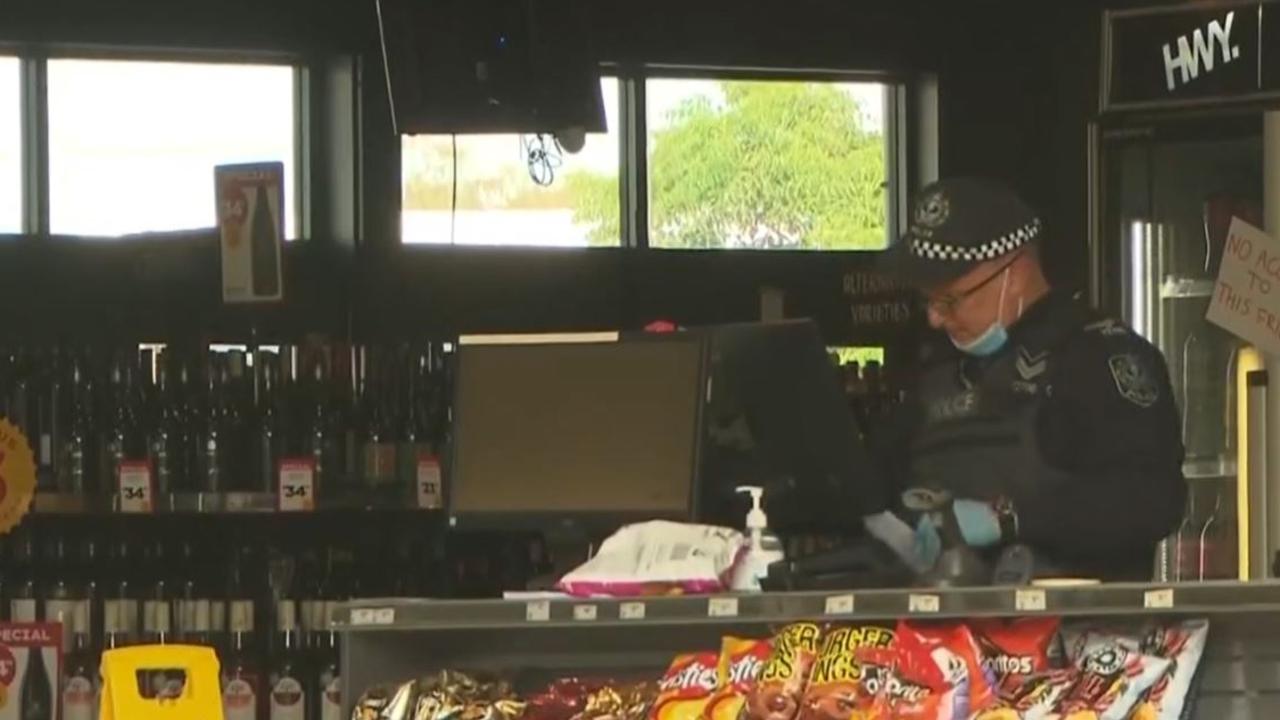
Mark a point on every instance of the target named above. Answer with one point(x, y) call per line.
point(17, 475)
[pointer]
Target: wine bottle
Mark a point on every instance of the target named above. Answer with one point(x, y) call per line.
point(208, 431)
point(328, 687)
point(163, 431)
point(266, 261)
point(61, 594)
point(240, 679)
point(378, 444)
point(79, 682)
point(286, 681)
point(418, 466)
point(46, 417)
point(24, 585)
point(234, 414)
point(321, 439)
point(125, 443)
point(77, 471)
point(267, 428)
point(35, 697)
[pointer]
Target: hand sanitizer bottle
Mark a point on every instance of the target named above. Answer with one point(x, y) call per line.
point(763, 549)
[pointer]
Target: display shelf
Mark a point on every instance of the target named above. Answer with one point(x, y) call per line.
point(47, 503)
point(1183, 288)
point(1214, 469)
point(771, 608)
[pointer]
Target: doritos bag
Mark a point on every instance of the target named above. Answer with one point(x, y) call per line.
point(781, 683)
point(687, 687)
point(1114, 675)
point(958, 640)
point(836, 684)
point(740, 664)
point(1014, 649)
point(923, 682)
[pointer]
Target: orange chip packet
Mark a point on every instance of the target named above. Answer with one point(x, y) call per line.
point(687, 687)
point(836, 685)
point(741, 661)
point(781, 682)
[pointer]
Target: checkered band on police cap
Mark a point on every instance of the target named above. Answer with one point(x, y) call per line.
point(990, 250)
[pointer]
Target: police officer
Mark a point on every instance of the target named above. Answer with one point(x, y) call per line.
point(1050, 424)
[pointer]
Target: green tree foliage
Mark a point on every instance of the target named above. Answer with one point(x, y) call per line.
point(775, 165)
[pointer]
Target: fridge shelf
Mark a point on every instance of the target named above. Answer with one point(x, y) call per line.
point(1183, 288)
point(1211, 469)
point(46, 503)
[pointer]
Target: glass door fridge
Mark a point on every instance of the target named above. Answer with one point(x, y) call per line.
point(1187, 139)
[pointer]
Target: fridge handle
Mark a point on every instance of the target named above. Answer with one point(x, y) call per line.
point(1254, 515)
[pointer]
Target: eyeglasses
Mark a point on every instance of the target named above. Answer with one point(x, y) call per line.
point(947, 304)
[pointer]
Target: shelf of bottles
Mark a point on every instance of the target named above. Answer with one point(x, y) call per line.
point(154, 429)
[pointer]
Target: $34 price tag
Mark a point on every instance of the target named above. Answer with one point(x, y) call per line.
point(135, 487)
point(430, 496)
point(297, 486)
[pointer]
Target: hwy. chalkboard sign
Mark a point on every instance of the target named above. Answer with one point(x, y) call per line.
point(1185, 55)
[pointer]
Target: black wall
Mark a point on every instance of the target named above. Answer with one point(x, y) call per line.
point(1017, 85)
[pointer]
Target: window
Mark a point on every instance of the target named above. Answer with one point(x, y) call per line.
point(498, 202)
point(133, 144)
point(767, 164)
point(10, 146)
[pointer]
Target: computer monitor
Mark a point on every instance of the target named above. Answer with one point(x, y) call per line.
point(778, 418)
point(576, 436)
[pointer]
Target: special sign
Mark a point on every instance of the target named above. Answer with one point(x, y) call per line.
point(1246, 298)
point(17, 475)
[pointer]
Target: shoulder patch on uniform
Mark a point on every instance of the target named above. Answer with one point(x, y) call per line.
point(1109, 327)
point(1134, 380)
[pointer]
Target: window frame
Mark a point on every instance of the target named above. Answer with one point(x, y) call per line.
point(896, 151)
point(633, 139)
point(34, 107)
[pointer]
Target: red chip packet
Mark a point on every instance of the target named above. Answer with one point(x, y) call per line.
point(959, 640)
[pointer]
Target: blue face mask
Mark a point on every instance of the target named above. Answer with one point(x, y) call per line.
point(994, 337)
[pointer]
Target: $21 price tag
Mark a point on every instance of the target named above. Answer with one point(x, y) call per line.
point(135, 487)
point(297, 486)
point(430, 496)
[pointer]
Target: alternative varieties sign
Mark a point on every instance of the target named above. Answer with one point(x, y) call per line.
point(1246, 298)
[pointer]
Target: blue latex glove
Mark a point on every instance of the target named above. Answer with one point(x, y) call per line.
point(979, 526)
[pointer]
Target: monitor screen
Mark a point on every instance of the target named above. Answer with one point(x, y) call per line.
point(596, 428)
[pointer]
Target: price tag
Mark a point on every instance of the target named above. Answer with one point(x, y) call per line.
point(363, 616)
point(631, 611)
point(584, 613)
point(722, 607)
point(839, 605)
point(1029, 601)
point(135, 487)
point(430, 494)
point(537, 611)
point(923, 604)
point(384, 616)
point(1158, 599)
point(297, 485)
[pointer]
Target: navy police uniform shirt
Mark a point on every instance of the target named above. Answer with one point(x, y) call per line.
point(1074, 420)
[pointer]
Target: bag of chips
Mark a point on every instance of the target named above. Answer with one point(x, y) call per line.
point(960, 643)
point(1182, 644)
point(741, 661)
point(1014, 649)
point(1030, 697)
point(781, 683)
point(1114, 674)
point(842, 682)
point(687, 687)
point(922, 682)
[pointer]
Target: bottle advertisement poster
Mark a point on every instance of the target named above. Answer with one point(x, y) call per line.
point(251, 227)
point(30, 654)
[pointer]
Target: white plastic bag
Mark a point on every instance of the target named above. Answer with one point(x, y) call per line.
point(659, 557)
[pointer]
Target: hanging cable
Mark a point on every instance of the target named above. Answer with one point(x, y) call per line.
point(543, 155)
